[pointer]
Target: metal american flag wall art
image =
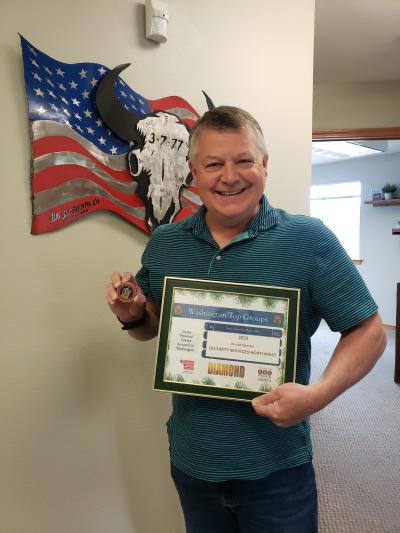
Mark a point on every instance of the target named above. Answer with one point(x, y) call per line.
point(99, 145)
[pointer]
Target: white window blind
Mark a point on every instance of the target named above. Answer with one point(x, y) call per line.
point(338, 206)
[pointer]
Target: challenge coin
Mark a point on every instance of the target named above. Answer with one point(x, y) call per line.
point(127, 291)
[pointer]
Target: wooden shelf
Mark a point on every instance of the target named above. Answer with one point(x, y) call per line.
point(382, 203)
point(396, 231)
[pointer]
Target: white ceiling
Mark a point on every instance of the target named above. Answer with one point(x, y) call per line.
point(357, 40)
point(388, 146)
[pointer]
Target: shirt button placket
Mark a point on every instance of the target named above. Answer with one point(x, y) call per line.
point(217, 258)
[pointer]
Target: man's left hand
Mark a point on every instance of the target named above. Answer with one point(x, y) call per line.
point(288, 404)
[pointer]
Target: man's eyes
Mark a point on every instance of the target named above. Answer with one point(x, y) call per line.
point(241, 163)
point(245, 163)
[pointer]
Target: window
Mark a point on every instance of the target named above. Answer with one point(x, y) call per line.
point(338, 206)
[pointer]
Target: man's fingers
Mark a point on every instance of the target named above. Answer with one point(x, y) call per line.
point(266, 399)
point(116, 279)
point(111, 294)
point(127, 276)
point(287, 405)
point(140, 298)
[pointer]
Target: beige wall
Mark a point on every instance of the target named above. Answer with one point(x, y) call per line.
point(356, 105)
point(83, 445)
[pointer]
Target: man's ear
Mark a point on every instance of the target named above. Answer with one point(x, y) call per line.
point(193, 171)
point(265, 161)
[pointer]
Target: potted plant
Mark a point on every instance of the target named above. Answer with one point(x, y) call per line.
point(388, 189)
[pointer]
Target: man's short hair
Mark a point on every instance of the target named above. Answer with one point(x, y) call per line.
point(225, 118)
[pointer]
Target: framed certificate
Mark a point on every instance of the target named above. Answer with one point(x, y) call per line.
point(226, 340)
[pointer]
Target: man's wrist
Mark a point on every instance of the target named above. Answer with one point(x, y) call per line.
point(324, 392)
point(133, 324)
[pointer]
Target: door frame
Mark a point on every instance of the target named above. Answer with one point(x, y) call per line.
point(356, 134)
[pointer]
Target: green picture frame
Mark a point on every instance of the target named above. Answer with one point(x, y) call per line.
point(226, 340)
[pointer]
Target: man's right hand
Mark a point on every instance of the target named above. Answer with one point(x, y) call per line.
point(125, 311)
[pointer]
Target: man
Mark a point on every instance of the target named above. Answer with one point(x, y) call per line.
point(237, 466)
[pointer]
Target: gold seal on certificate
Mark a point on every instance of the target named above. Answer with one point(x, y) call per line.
point(227, 340)
point(127, 291)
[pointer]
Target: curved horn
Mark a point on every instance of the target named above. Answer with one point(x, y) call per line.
point(121, 121)
point(210, 103)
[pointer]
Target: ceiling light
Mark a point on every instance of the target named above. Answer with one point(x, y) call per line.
point(341, 149)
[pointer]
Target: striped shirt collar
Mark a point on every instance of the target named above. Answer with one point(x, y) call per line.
point(266, 218)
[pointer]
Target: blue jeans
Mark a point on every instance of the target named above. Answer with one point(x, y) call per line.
point(283, 502)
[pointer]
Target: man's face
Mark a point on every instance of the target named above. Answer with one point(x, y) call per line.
point(230, 170)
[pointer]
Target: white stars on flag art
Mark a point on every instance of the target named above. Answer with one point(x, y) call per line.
point(66, 93)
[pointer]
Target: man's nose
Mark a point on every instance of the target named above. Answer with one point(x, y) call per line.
point(229, 173)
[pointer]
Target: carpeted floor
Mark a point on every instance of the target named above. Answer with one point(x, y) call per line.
point(357, 448)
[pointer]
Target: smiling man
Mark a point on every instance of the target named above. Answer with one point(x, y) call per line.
point(241, 467)
point(230, 169)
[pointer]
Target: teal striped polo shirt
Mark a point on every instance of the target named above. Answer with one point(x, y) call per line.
point(215, 439)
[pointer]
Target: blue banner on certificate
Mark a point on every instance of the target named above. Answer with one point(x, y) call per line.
point(227, 340)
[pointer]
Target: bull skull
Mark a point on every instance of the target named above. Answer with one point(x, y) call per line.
point(159, 159)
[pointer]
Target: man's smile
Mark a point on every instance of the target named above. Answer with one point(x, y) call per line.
point(230, 193)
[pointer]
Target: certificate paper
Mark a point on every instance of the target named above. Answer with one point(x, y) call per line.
point(228, 340)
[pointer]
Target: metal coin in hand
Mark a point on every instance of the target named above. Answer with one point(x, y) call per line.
point(127, 291)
